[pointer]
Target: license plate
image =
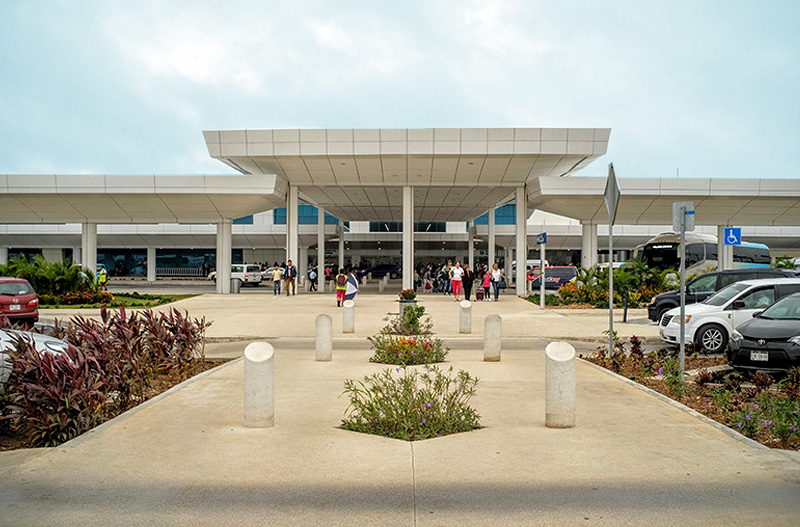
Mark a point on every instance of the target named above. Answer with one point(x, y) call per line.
point(14, 307)
point(756, 355)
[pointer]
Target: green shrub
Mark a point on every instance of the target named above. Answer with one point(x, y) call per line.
point(410, 404)
point(50, 278)
point(412, 321)
point(673, 378)
point(770, 415)
point(407, 350)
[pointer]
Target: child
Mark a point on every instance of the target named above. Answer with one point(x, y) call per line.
point(486, 284)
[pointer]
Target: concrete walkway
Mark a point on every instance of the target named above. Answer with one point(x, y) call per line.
point(185, 459)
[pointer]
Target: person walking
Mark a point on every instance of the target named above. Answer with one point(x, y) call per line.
point(276, 277)
point(102, 278)
point(497, 277)
point(341, 287)
point(486, 284)
point(290, 275)
point(312, 279)
point(456, 275)
point(468, 278)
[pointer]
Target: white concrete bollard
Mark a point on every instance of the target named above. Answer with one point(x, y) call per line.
point(259, 385)
point(324, 345)
point(559, 385)
point(348, 317)
point(491, 338)
point(465, 318)
point(381, 285)
point(369, 275)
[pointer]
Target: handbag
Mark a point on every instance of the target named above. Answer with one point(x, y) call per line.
point(502, 284)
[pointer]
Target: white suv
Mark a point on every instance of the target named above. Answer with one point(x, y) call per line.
point(710, 322)
point(246, 273)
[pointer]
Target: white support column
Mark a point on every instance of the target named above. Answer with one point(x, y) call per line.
point(77, 257)
point(151, 264)
point(724, 252)
point(522, 240)
point(224, 248)
point(3, 255)
point(588, 245)
point(408, 237)
point(321, 250)
point(89, 245)
point(341, 244)
point(491, 249)
point(292, 224)
point(471, 244)
point(302, 266)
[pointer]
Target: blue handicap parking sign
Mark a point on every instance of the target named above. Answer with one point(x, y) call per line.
point(733, 236)
point(541, 238)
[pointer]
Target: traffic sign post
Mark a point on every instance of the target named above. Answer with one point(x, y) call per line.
point(542, 241)
point(611, 198)
point(682, 221)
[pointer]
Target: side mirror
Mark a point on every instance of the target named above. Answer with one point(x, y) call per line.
point(757, 313)
point(739, 304)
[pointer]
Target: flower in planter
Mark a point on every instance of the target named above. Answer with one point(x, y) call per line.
point(407, 294)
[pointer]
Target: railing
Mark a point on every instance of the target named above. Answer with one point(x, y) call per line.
point(180, 271)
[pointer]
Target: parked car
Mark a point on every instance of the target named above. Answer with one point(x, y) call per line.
point(710, 322)
point(770, 341)
point(18, 301)
point(266, 274)
point(381, 270)
point(554, 277)
point(41, 343)
point(247, 274)
point(706, 285)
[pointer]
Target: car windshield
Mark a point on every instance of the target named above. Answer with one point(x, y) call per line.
point(722, 296)
point(787, 308)
point(15, 288)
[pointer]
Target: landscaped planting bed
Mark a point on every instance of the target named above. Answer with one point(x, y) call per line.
point(758, 406)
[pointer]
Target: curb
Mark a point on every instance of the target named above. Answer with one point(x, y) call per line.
point(697, 415)
point(136, 409)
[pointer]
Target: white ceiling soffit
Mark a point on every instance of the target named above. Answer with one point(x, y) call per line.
point(398, 157)
point(649, 201)
point(136, 199)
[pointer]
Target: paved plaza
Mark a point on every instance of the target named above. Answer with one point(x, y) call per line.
point(186, 459)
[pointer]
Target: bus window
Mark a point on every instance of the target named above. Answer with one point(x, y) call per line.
point(711, 251)
point(661, 255)
point(695, 253)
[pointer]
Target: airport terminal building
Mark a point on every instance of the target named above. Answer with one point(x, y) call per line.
point(368, 196)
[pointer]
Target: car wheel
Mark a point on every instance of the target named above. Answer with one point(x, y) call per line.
point(392, 275)
point(713, 338)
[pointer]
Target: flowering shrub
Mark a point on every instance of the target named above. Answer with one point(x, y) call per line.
point(412, 321)
point(110, 365)
point(410, 404)
point(407, 350)
point(407, 294)
point(77, 298)
point(771, 416)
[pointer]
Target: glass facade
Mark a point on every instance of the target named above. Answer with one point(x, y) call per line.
point(247, 220)
point(505, 215)
point(306, 215)
point(27, 253)
point(123, 262)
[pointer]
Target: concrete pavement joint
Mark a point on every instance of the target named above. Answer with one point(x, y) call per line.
point(697, 415)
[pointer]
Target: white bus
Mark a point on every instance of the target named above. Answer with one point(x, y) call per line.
point(661, 252)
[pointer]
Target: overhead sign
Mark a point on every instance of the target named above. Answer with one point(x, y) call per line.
point(683, 216)
point(733, 236)
point(612, 194)
point(541, 239)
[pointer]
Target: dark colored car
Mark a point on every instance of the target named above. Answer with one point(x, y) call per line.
point(770, 341)
point(554, 276)
point(706, 285)
point(381, 270)
point(18, 301)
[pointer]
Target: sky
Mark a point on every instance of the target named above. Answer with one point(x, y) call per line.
point(692, 88)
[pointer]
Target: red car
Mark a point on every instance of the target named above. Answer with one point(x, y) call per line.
point(18, 300)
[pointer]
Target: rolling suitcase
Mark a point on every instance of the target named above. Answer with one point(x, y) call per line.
point(479, 294)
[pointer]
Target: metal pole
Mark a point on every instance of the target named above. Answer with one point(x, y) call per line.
point(610, 289)
point(682, 352)
point(541, 275)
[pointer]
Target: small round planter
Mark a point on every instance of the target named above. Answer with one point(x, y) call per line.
point(404, 303)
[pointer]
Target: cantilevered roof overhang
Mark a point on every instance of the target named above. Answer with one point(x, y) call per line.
point(751, 202)
point(458, 173)
point(136, 199)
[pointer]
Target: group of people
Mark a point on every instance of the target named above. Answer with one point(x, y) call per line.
point(451, 279)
